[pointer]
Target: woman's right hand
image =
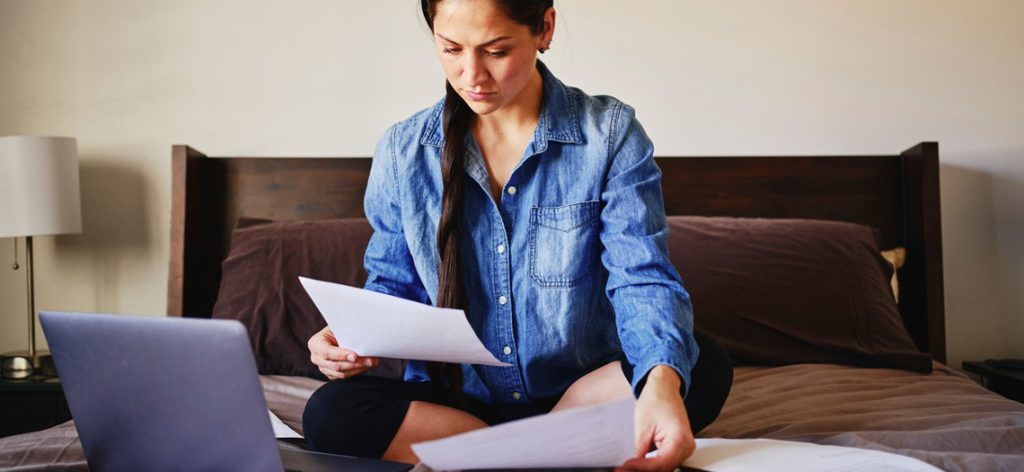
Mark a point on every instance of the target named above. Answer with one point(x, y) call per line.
point(335, 361)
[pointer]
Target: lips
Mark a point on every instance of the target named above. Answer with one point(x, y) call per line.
point(479, 96)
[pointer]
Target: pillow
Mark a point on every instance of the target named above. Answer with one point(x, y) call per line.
point(260, 286)
point(787, 291)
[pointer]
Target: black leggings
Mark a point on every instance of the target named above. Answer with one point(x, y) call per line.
point(361, 415)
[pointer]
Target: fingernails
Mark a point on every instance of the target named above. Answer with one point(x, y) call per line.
point(351, 358)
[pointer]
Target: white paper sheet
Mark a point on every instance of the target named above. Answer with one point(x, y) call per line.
point(602, 436)
point(374, 324)
point(768, 455)
point(595, 436)
point(281, 430)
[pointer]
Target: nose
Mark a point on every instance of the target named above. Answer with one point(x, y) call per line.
point(474, 71)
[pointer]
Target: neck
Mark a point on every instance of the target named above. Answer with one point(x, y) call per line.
point(521, 112)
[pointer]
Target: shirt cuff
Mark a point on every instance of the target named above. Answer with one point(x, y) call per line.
point(674, 360)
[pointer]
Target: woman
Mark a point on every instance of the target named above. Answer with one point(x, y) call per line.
point(538, 210)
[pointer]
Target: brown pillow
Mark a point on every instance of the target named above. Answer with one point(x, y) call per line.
point(260, 286)
point(786, 291)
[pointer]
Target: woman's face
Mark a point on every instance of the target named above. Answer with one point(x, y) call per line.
point(487, 57)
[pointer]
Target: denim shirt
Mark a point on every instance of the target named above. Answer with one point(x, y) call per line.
point(567, 272)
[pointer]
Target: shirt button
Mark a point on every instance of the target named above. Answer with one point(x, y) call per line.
point(501, 249)
point(502, 300)
point(516, 395)
point(507, 350)
point(511, 190)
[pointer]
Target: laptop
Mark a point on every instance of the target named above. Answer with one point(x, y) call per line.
point(156, 393)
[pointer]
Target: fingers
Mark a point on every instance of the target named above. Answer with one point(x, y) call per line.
point(334, 361)
point(345, 369)
point(645, 465)
point(361, 364)
point(324, 344)
point(669, 456)
point(329, 334)
point(673, 445)
point(339, 354)
point(332, 374)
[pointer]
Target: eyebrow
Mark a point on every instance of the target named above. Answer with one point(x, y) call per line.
point(488, 43)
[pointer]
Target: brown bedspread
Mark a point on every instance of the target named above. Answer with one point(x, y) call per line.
point(943, 418)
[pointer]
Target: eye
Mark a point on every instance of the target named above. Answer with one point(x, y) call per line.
point(496, 53)
point(448, 50)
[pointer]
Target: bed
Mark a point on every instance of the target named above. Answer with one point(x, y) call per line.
point(888, 399)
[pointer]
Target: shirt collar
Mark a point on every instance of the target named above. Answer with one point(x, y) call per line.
point(558, 121)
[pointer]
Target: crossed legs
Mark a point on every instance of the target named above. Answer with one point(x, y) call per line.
point(425, 421)
point(332, 411)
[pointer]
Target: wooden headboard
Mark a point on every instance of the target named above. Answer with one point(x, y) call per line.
point(898, 194)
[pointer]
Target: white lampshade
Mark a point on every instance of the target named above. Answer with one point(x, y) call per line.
point(39, 186)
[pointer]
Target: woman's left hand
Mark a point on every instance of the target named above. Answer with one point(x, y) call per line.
point(660, 421)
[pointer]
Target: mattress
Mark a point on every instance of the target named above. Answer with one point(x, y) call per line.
point(942, 418)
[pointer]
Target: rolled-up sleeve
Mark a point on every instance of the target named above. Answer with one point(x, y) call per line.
point(388, 261)
point(653, 312)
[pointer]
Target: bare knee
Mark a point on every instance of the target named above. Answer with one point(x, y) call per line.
point(428, 421)
point(601, 385)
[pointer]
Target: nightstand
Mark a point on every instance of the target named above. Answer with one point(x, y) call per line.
point(31, 404)
point(1008, 383)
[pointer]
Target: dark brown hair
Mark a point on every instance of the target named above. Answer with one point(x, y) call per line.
point(457, 118)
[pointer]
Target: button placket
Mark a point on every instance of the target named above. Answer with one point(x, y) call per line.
point(506, 206)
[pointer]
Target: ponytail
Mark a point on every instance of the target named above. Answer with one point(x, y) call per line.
point(456, 119)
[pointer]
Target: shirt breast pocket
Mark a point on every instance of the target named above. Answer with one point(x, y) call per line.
point(563, 243)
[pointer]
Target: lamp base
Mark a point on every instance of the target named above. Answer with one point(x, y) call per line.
point(20, 365)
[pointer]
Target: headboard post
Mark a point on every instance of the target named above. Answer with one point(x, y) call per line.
point(921, 279)
point(185, 200)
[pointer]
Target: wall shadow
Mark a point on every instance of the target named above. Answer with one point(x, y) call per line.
point(975, 311)
point(113, 208)
point(115, 232)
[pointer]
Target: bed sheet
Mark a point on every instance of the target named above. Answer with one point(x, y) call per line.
point(943, 418)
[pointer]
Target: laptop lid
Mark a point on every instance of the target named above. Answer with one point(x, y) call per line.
point(156, 393)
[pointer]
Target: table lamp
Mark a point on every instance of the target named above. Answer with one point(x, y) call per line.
point(38, 196)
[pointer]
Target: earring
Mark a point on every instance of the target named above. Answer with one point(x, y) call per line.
point(545, 48)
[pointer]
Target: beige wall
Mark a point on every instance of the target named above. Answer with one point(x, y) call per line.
point(324, 78)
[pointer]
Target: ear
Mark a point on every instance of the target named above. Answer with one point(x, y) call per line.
point(549, 27)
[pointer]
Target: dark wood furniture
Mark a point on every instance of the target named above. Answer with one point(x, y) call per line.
point(1006, 382)
point(31, 404)
point(898, 194)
